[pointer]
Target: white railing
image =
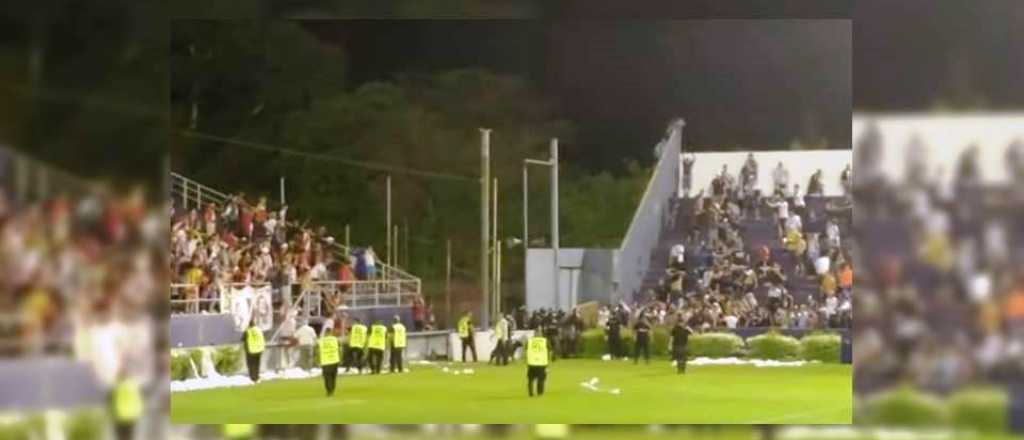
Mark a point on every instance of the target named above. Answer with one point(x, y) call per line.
point(352, 294)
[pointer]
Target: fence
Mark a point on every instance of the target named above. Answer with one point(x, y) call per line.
point(351, 294)
point(650, 217)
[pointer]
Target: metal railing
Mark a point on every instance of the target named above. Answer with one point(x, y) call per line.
point(351, 294)
point(650, 216)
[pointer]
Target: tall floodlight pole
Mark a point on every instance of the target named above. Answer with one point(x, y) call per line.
point(485, 193)
point(494, 251)
point(554, 217)
point(448, 285)
point(387, 214)
point(553, 163)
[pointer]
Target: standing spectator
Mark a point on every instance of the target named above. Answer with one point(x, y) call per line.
point(781, 207)
point(749, 171)
point(245, 215)
point(816, 187)
point(371, 263)
point(846, 180)
point(846, 280)
point(419, 314)
point(677, 256)
point(781, 179)
point(688, 173)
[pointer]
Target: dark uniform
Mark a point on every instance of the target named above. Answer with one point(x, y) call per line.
point(613, 329)
point(680, 336)
point(536, 363)
point(253, 345)
point(643, 340)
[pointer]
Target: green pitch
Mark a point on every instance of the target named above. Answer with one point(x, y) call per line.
point(812, 394)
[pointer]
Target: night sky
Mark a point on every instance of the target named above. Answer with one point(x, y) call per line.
point(740, 84)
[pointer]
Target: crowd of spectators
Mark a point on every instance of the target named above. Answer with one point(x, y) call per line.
point(240, 243)
point(796, 274)
point(942, 304)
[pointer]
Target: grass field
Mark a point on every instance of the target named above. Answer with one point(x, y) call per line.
point(812, 394)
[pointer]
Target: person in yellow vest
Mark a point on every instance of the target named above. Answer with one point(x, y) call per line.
point(397, 346)
point(329, 352)
point(239, 431)
point(375, 344)
point(356, 344)
point(536, 361)
point(253, 345)
point(125, 406)
point(465, 328)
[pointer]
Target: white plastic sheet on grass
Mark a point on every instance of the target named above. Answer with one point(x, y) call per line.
point(760, 363)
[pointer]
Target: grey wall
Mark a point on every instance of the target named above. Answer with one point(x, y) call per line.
point(585, 275)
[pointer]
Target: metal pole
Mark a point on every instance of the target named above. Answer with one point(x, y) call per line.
point(282, 192)
point(485, 193)
point(526, 209)
point(494, 249)
point(498, 295)
point(348, 244)
point(388, 215)
point(554, 218)
point(448, 286)
point(405, 248)
point(394, 241)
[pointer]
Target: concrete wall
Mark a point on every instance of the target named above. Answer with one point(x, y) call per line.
point(801, 165)
point(585, 275)
point(945, 138)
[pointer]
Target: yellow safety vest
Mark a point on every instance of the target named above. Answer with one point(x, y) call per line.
point(358, 337)
point(239, 431)
point(552, 431)
point(378, 334)
point(537, 352)
point(464, 327)
point(127, 401)
point(498, 331)
point(399, 338)
point(254, 339)
point(328, 350)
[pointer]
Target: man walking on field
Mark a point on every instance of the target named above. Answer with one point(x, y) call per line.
point(465, 328)
point(536, 362)
point(328, 351)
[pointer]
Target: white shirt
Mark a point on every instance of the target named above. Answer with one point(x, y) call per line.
point(677, 251)
point(730, 321)
point(794, 222)
point(306, 335)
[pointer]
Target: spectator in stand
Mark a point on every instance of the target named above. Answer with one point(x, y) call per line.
point(799, 203)
point(846, 280)
point(816, 186)
point(419, 314)
point(749, 171)
point(245, 215)
point(371, 263)
point(781, 207)
point(846, 180)
point(677, 256)
point(688, 173)
point(781, 179)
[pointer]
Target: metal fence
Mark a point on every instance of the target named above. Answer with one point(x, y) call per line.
point(650, 217)
point(352, 294)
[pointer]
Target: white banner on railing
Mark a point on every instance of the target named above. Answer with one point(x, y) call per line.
point(249, 302)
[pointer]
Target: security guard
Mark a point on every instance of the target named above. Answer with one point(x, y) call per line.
point(330, 356)
point(378, 339)
point(613, 333)
point(465, 328)
point(536, 361)
point(643, 339)
point(397, 345)
point(356, 343)
point(239, 431)
point(253, 344)
point(680, 335)
point(126, 407)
